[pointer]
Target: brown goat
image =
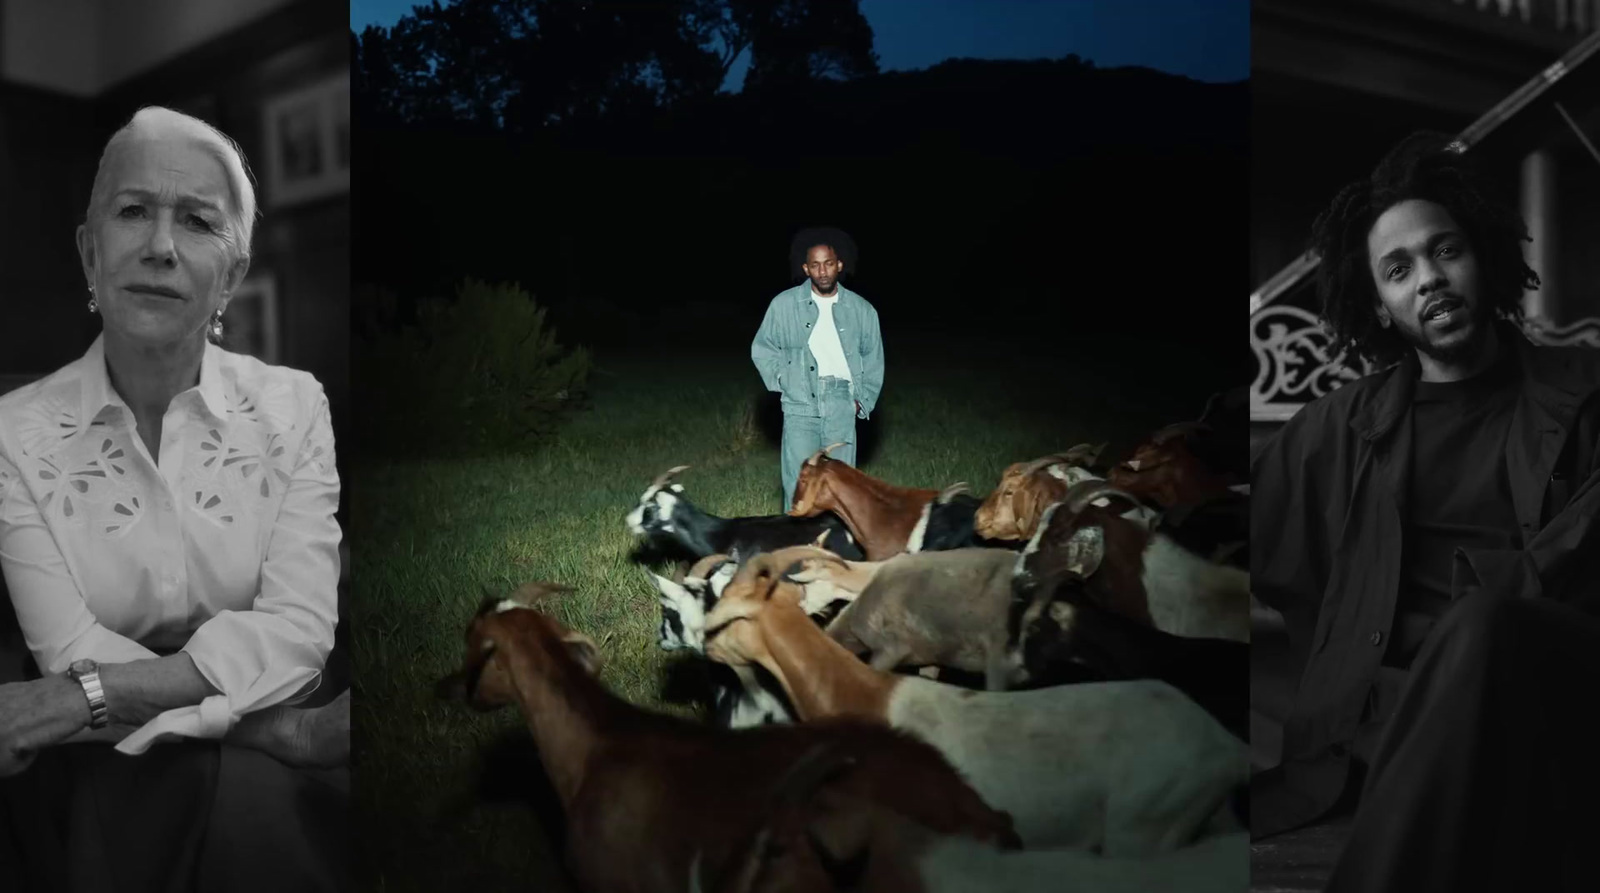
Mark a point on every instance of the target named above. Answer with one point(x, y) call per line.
point(887, 853)
point(1106, 536)
point(1166, 471)
point(880, 515)
point(1026, 489)
point(1133, 767)
point(646, 795)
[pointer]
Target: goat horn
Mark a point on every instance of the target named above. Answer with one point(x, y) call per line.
point(823, 452)
point(1077, 501)
point(1082, 453)
point(668, 475)
point(1036, 465)
point(1085, 453)
point(950, 492)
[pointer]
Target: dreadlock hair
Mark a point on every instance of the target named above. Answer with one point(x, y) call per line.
point(843, 247)
point(1423, 166)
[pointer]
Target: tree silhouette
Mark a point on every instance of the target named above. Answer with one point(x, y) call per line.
point(803, 41)
point(529, 64)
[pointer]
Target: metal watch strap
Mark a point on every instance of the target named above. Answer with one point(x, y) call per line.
point(88, 675)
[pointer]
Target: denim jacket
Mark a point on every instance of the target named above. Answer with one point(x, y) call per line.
point(782, 351)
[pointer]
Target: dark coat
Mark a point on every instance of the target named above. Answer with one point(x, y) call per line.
point(1328, 510)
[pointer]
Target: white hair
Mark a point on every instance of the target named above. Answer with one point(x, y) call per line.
point(154, 120)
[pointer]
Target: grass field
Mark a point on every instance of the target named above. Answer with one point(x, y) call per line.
point(450, 799)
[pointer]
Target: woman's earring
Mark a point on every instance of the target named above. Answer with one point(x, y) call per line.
point(94, 306)
point(216, 326)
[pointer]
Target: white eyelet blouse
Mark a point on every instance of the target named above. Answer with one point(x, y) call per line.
point(228, 549)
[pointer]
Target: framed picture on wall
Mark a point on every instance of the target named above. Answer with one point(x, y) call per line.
point(308, 142)
point(250, 324)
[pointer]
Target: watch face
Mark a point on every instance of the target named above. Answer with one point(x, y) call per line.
point(81, 667)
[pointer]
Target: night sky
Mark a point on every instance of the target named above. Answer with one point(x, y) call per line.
point(1208, 41)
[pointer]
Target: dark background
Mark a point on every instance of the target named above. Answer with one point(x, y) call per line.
point(1001, 207)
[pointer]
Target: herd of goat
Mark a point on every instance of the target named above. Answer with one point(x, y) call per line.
point(915, 689)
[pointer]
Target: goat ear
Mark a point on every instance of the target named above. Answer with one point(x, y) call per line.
point(1025, 508)
point(1085, 550)
point(584, 651)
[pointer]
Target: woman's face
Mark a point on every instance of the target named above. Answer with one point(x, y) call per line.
point(159, 244)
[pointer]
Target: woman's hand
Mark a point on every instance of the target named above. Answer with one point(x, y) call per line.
point(316, 738)
point(323, 734)
point(35, 715)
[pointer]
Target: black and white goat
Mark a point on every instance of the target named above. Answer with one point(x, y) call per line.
point(948, 522)
point(666, 516)
point(741, 697)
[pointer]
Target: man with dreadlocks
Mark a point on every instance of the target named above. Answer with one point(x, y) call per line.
point(1429, 533)
point(819, 347)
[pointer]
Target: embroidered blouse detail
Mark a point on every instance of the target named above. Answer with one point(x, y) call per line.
point(227, 548)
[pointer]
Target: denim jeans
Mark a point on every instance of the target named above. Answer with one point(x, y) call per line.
point(804, 435)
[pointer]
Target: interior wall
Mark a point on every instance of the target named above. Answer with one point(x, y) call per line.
point(82, 47)
point(51, 44)
point(136, 37)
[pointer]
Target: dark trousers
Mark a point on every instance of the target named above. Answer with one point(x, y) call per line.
point(1487, 771)
point(186, 816)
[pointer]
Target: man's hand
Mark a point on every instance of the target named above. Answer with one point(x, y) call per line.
point(858, 407)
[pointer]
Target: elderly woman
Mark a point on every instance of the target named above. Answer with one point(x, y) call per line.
point(168, 539)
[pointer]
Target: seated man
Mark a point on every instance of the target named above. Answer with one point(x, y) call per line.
point(1429, 531)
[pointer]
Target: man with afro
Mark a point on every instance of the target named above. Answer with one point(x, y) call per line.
point(1429, 533)
point(820, 348)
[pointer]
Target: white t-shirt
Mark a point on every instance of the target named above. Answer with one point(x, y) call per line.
point(824, 340)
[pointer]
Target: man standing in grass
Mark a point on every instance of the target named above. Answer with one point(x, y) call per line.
point(819, 347)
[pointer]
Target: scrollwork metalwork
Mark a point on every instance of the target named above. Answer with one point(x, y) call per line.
point(1294, 363)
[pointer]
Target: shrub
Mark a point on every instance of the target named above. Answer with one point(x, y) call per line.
point(480, 373)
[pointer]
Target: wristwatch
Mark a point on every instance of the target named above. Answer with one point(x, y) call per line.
point(87, 674)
